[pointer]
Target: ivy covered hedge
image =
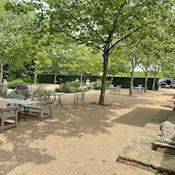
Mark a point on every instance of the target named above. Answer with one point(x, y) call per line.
point(123, 81)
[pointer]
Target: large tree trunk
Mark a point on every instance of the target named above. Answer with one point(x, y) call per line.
point(131, 83)
point(105, 71)
point(1, 72)
point(146, 82)
point(154, 83)
point(55, 79)
point(35, 75)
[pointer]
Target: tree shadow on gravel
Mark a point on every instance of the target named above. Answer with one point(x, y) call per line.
point(68, 122)
point(141, 116)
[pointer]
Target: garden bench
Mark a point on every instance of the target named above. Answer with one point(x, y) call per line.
point(8, 118)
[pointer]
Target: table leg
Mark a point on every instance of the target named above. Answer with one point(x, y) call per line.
point(59, 102)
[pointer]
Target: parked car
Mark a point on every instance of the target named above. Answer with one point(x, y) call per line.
point(165, 82)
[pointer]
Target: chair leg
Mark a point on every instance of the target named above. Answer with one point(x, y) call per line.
point(83, 100)
point(16, 118)
point(42, 112)
point(50, 110)
point(2, 123)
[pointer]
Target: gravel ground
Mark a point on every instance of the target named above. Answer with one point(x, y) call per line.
point(82, 140)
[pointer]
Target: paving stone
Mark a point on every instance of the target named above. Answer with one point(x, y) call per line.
point(164, 162)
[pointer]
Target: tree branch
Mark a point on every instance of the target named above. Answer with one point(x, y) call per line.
point(76, 39)
point(97, 33)
point(96, 46)
point(130, 33)
point(115, 22)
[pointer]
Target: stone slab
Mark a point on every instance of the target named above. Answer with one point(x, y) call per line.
point(139, 153)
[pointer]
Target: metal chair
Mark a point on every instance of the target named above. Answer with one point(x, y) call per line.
point(79, 98)
point(111, 88)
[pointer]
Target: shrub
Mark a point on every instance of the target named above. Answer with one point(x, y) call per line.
point(65, 89)
point(15, 83)
point(70, 87)
point(97, 84)
point(74, 84)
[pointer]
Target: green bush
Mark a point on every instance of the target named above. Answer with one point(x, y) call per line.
point(15, 83)
point(70, 87)
point(97, 84)
point(65, 89)
point(74, 84)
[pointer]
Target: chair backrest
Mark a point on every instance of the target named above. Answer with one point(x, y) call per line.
point(118, 86)
point(140, 85)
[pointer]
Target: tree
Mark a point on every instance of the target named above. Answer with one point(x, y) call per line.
point(133, 60)
point(104, 24)
point(85, 61)
point(101, 24)
point(11, 40)
point(118, 63)
point(145, 53)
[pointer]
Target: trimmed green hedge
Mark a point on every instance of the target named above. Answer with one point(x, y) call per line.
point(123, 81)
point(44, 78)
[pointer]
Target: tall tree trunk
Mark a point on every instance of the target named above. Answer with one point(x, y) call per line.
point(105, 71)
point(154, 82)
point(131, 83)
point(146, 82)
point(1, 72)
point(81, 80)
point(35, 75)
point(55, 79)
point(112, 78)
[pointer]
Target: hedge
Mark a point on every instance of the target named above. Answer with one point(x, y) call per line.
point(44, 78)
point(123, 81)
